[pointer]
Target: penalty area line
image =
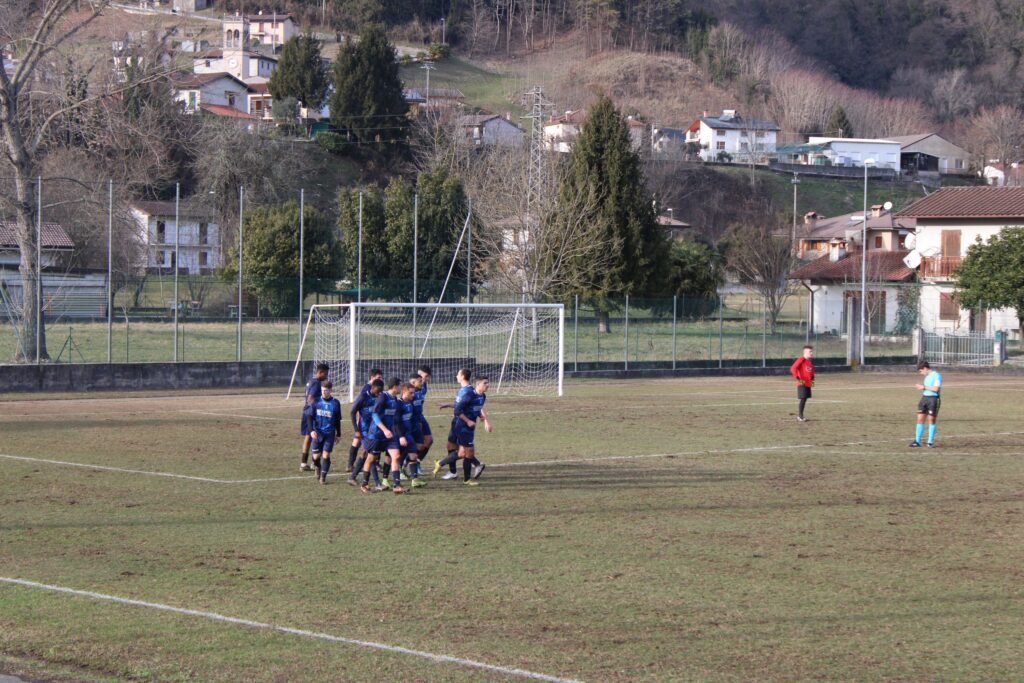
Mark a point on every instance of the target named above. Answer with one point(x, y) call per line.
point(369, 644)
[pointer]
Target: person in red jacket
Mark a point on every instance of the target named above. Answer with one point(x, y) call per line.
point(803, 371)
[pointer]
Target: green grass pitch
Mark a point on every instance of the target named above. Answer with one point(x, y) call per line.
point(693, 531)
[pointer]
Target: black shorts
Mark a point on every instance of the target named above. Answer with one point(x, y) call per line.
point(803, 391)
point(929, 405)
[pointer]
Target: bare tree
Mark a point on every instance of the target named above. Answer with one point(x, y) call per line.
point(759, 254)
point(997, 134)
point(32, 106)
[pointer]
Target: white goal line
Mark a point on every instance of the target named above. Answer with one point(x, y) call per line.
point(213, 616)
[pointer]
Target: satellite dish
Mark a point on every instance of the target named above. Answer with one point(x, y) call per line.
point(911, 241)
point(930, 252)
point(912, 260)
point(887, 206)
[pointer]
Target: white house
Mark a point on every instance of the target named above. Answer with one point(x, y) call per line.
point(272, 29)
point(731, 136)
point(668, 142)
point(846, 152)
point(949, 221)
point(561, 131)
point(489, 130)
point(196, 91)
point(198, 240)
point(833, 253)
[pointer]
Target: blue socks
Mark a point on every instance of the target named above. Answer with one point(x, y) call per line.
point(920, 432)
point(931, 433)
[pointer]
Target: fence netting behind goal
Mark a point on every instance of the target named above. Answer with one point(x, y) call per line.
point(518, 347)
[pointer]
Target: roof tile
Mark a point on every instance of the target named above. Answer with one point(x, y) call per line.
point(886, 266)
point(969, 202)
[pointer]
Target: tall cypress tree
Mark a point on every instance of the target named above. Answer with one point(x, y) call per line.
point(367, 97)
point(839, 125)
point(300, 73)
point(604, 164)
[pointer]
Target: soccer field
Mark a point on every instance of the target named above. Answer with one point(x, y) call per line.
point(684, 529)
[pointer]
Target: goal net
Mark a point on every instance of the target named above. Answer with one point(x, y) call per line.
point(519, 346)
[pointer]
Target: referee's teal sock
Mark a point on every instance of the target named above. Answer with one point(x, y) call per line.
point(931, 433)
point(920, 432)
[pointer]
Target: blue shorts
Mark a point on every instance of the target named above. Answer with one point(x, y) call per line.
point(305, 427)
point(453, 431)
point(466, 437)
point(393, 443)
point(425, 428)
point(374, 446)
point(417, 437)
point(324, 444)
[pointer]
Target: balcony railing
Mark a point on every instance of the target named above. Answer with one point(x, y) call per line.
point(940, 266)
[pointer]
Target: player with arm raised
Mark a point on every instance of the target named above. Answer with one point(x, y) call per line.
point(312, 394)
point(326, 428)
point(355, 412)
point(465, 389)
point(928, 406)
point(468, 414)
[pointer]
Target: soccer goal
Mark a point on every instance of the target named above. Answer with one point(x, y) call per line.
point(519, 346)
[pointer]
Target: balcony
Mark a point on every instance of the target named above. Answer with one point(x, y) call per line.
point(940, 267)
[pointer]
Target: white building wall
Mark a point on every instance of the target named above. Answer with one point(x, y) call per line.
point(159, 251)
point(734, 140)
point(852, 152)
point(830, 299)
point(501, 132)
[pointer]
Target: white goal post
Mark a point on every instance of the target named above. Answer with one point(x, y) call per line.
point(520, 346)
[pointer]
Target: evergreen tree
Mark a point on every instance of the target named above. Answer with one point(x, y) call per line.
point(603, 163)
point(376, 267)
point(839, 125)
point(367, 97)
point(300, 73)
point(271, 258)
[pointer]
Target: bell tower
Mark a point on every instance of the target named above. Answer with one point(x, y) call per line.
point(236, 46)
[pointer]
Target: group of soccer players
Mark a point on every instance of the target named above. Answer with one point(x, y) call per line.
point(391, 435)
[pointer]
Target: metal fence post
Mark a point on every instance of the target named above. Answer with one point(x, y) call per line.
point(39, 267)
point(675, 299)
point(302, 251)
point(177, 264)
point(241, 231)
point(359, 257)
point(576, 334)
point(110, 270)
point(764, 336)
point(626, 328)
point(721, 332)
point(415, 262)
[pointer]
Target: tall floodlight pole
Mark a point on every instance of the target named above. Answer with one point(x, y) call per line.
point(302, 248)
point(796, 184)
point(177, 244)
point(39, 267)
point(428, 67)
point(864, 265)
point(415, 261)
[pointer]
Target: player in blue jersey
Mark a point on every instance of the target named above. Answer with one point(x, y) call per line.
point(363, 422)
point(355, 412)
point(463, 377)
point(326, 423)
point(410, 439)
point(312, 394)
point(928, 406)
point(384, 435)
point(421, 393)
point(468, 412)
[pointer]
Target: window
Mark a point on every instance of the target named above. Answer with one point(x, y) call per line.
point(743, 133)
point(161, 234)
point(720, 145)
point(193, 100)
point(744, 146)
point(720, 133)
point(161, 256)
point(202, 259)
point(878, 241)
point(949, 309)
point(759, 134)
point(960, 164)
point(207, 63)
point(231, 98)
point(203, 233)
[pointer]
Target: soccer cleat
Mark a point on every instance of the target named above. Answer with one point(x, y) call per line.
point(352, 482)
point(416, 483)
point(449, 475)
point(478, 470)
point(405, 474)
point(364, 488)
point(322, 478)
point(915, 444)
point(304, 467)
point(801, 418)
point(931, 445)
point(385, 484)
point(471, 482)
point(378, 489)
point(437, 468)
point(398, 489)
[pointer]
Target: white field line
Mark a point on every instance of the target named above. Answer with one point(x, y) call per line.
point(213, 616)
point(822, 448)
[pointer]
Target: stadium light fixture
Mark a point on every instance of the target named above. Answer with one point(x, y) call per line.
point(864, 262)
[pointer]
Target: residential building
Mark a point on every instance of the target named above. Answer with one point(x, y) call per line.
point(675, 230)
point(272, 29)
point(931, 153)
point(488, 130)
point(732, 137)
point(199, 91)
point(198, 236)
point(832, 251)
point(669, 142)
point(55, 244)
point(843, 152)
point(949, 221)
point(189, 6)
point(639, 134)
point(434, 99)
point(1003, 175)
point(561, 131)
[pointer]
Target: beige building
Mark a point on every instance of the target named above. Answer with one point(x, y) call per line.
point(931, 153)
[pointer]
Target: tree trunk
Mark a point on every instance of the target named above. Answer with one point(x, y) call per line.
point(26, 236)
point(604, 325)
